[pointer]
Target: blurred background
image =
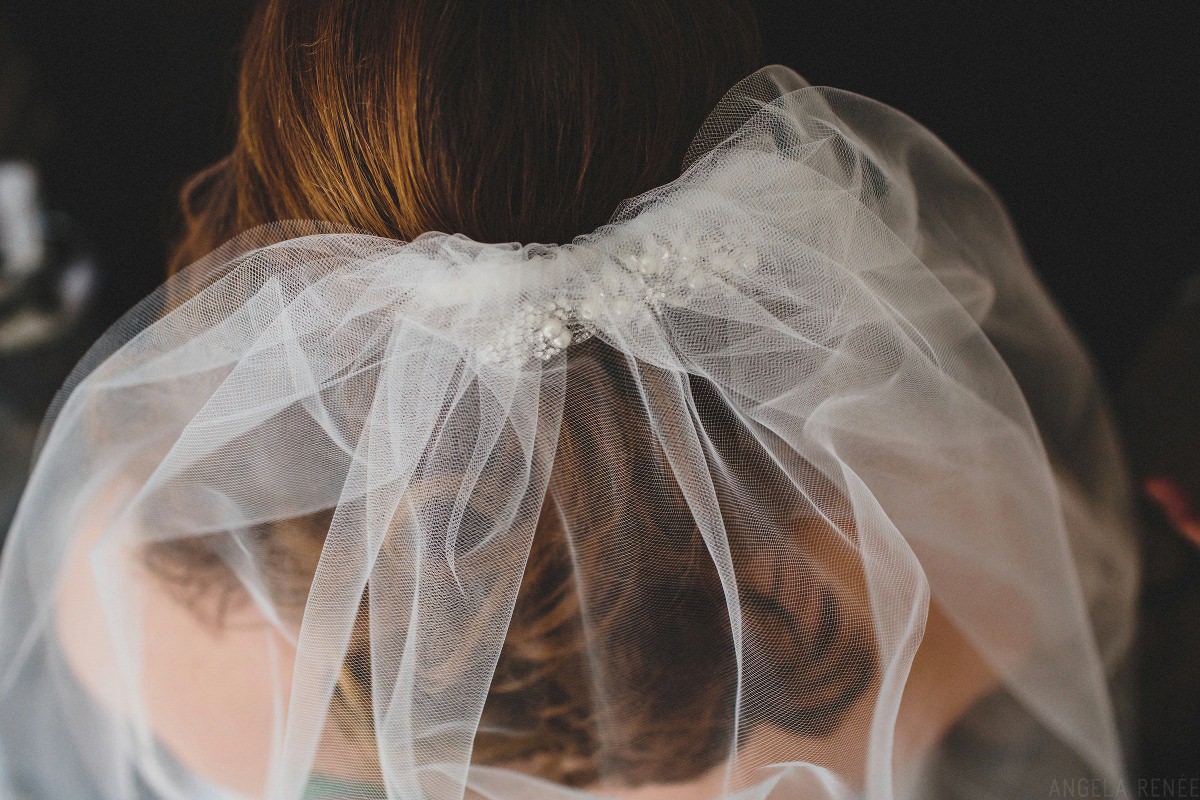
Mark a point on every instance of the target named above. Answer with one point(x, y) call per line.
point(1082, 117)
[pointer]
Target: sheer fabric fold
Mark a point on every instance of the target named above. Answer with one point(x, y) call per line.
point(665, 508)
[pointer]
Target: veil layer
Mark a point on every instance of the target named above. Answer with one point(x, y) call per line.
point(675, 507)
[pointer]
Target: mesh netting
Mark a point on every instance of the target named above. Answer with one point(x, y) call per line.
point(790, 482)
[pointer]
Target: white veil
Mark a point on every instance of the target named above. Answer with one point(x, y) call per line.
point(664, 509)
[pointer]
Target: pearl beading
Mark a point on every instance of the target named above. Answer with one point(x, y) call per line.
point(655, 275)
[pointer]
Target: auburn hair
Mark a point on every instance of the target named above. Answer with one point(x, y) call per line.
point(505, 121)
point(530, 121)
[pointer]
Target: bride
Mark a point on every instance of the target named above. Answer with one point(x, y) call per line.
point(763, 468)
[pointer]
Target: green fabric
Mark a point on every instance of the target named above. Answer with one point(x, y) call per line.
point(322, 788)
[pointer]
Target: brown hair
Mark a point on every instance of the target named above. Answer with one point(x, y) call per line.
point(531, 121)
point(505, 121)
point(637, 680)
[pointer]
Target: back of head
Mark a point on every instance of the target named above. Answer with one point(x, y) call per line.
point(526, 121)
point(532, 122)
point(708, 501)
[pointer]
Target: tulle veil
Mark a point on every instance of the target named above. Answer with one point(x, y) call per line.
point(777, 414)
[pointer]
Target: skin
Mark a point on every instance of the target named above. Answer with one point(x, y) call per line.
point(210, 695)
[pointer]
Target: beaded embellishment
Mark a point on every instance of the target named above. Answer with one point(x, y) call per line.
point(655, 275)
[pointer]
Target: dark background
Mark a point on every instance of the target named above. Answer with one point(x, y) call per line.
point(1082, 118)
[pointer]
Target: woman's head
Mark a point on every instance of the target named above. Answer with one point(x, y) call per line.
point(532, 121)
point(619, 664)
point(505, 121)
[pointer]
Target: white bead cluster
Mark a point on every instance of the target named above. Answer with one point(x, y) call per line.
point(667, 273)
point(539, 332)
point(654, 274)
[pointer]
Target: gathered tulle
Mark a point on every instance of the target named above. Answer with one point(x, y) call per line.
point(662, 509)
